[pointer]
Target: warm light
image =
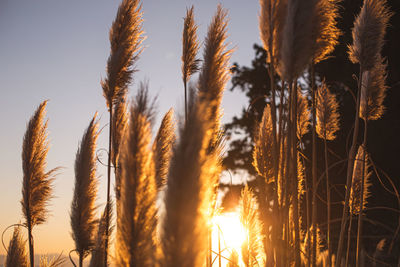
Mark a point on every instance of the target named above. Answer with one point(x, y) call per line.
point(231, 235)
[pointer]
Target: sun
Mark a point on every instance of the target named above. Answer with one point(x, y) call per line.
point(228, 234)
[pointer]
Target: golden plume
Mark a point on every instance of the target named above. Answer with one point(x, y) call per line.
point(373, 91)
point(303, 114)
point(215, 71)
point(136, 221)
point(83, 221)
point(37, 185)
point(262, 153)
point(16, 254)
point(190, 46)
point(126, 37)
point(253, 247)
point(162, 148)
point(119, 120)
point(368, 33)
point(358, 175)
point(189, 194)
point(327, 113)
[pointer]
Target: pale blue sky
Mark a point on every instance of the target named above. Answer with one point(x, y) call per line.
point(57, 50)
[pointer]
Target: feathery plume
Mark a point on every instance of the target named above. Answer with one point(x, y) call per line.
point(368, 33)
point(309, 35)
point(300, 178)
point(253, 247)
point(97, 258)
point(162, 148)
point(262, 154)
point(83, 208)
point(189, 195)
point(143, 104)
point(327, 113)
point(271, 21)
point(325, 26)
point(373, 91)
point(355, 196)
point(190, 46)
point(215, 71)
point(303, 114)
point(136, 222)
point(126, 37)
point(304, 245)
point(16, 254)
point(37, 185)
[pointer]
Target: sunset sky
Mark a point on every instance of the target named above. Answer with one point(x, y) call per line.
point(57, 50)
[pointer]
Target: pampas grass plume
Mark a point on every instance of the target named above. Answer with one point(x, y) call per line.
point(162, 148)
point(136, 221)
point(253, 247)
point(16, 254)
point(327, 113)
point(368, 33)
point(355, 196)
point(126, 37)
point(83, 208)
point(303, 114)
point(190, 46)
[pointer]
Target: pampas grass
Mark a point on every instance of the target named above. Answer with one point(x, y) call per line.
point(16, 254)
point(162, 148)
point(37, 185)
point(368, 33)
point(53, 262)
point(126, 37)
point(252, 248)
point(97, 252)
point(303, 114)
point(327, 113)
point(136, 222)
point(190, 47)
point(188, 198)
point(83, 208)
point(373, 91)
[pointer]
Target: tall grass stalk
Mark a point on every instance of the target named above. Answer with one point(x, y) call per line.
point(126, 36)
point(368, 33)
point(37, 188)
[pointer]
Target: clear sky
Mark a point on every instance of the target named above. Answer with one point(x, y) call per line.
point(57, 50)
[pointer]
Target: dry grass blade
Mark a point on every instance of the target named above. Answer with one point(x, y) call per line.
point(97, 258)
point(327, 113)
point(189, 194)
point(136, 221)
point(373, 91)
point(126, 37)
point(162, 148)
point(16, 254)
point(355, 196)
point(83, 208)
point(215, 71)
point(190, 46)
point(368, 33)
point(253, 247)
point(303, 114)
point(37, 183)
point(262, 154)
